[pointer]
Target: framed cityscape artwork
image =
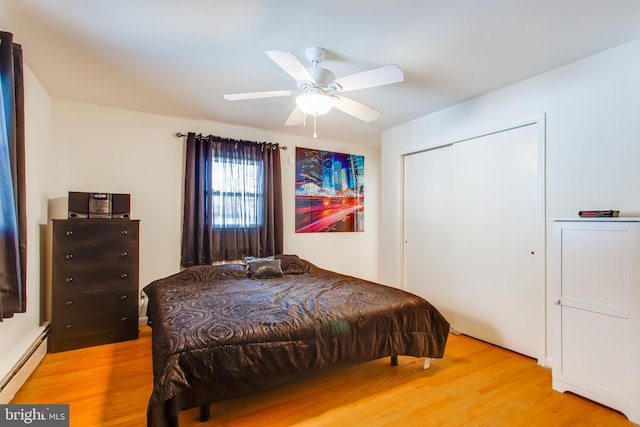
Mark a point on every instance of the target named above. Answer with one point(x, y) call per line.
point(329, 191)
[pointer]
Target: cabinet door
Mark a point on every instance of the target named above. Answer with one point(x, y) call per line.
point(594, 284)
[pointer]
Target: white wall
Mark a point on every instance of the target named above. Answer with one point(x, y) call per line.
point(18, 333)
point(98, 148)
point(592, 140)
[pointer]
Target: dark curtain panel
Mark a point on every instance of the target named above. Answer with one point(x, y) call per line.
point(13, 236)
point(243, 216)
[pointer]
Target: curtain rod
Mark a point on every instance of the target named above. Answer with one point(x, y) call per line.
point(180, 135)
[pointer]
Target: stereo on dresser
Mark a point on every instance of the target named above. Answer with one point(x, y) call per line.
point(99, 205)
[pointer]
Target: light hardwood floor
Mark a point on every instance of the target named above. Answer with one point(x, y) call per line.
point(476, 384)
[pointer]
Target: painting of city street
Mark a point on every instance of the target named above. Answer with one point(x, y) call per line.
point(329, 191)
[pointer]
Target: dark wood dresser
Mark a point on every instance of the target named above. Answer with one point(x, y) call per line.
point(94, 291)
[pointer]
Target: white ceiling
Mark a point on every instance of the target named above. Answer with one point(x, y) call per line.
point(179, 58)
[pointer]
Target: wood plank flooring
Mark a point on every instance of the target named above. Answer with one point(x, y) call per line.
point(476, 384)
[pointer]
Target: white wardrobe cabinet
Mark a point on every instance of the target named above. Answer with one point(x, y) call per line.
point(595, 310)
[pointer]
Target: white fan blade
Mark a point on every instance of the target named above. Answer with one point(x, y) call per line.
point(355, 108)
point(295, 118)
point(290, 64)
point(255, 95)
point(371, 78)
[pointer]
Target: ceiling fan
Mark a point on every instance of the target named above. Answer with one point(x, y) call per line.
point(318, 90)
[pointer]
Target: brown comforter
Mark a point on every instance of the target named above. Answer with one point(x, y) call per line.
point(218, 334)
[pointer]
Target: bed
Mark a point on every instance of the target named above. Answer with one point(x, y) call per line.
point(227, 330)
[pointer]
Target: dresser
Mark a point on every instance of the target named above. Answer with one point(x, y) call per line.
point(595, 310)
point(94, 284)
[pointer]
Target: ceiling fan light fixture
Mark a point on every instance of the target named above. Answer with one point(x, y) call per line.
point(314, 103)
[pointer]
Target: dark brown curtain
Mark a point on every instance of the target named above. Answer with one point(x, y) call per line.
point(13, 235)
point(210, 232)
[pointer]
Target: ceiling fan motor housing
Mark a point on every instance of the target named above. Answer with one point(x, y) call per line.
point(322, 76)
point(315, 55)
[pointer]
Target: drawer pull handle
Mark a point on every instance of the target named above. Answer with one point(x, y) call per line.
point(68, 325)
point(68, 256)
point(68, 279)
point(124, 232)
point(123, 298)
point(124, 254)
point(123, 319)
point(69, 233)
point(68, 303)
point(124, 275)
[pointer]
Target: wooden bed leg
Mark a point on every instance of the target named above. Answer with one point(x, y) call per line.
point(204, 413)
point(394, 360)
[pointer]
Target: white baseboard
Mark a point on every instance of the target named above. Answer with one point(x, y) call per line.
point(143, 320)
point(22, 371)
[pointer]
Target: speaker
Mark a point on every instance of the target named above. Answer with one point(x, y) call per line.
point(120, 207)
point(78, 204)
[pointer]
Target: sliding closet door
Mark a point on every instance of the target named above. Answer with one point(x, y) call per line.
point(427, 222)
point(498, 262)
point(474, 236)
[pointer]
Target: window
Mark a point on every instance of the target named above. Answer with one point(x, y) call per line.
point(238, 193)
point(232, 200)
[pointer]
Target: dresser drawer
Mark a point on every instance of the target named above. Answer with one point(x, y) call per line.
point(94, 252)
point(106, 232)
point(79, 276)
point(93, 312)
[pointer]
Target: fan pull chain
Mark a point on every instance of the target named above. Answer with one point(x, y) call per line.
point(315, 134)
point(315, 124)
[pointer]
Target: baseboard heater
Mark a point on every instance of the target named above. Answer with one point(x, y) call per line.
point(12, 382)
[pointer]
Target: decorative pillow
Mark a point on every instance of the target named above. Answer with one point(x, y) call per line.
point(264, 268)
point(293, 264)
point(229, 271)
point(222, 271)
